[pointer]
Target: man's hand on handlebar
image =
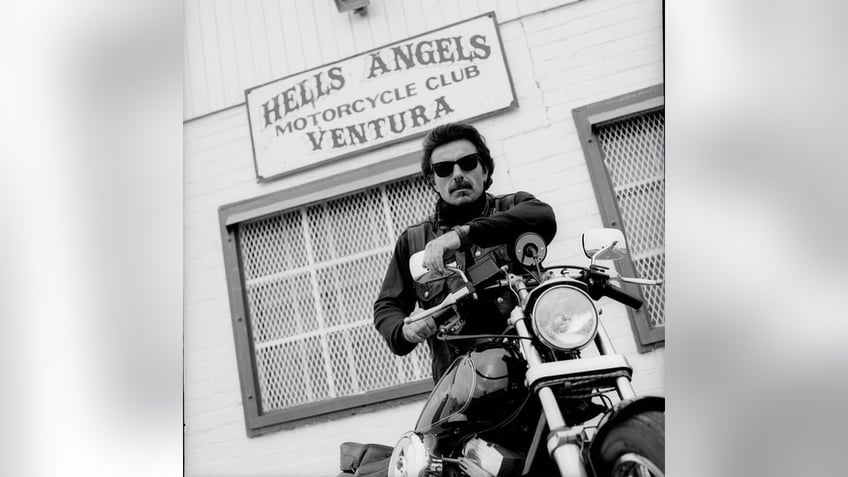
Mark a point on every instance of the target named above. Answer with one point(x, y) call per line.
point(436, 249)
point(418, 331)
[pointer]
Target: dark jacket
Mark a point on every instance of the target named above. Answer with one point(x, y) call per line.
point(494, 222)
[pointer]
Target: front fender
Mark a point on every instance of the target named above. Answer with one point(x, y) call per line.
point(620, 412)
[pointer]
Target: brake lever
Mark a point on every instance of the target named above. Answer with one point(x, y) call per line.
point(449, 301)
point(640, 281)
point(636, 281)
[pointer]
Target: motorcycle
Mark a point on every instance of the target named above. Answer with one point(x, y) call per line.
point(525, 402)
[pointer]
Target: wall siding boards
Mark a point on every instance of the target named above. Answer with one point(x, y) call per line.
point(278, 38)
point(562, 55)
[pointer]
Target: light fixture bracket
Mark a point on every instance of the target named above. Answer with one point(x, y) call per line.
point(360, 7)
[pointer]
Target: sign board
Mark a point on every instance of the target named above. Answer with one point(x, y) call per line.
point(380, 97)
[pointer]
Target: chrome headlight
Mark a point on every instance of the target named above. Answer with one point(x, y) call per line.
point(411, 456)
point(565, 318)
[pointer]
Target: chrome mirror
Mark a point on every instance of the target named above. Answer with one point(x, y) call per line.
point(604, 244)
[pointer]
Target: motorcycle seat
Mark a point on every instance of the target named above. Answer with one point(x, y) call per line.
point(364, 459)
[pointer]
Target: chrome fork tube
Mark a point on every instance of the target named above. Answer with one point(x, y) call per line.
point(604, 344)
point(566, 455)
point(549, 404)
point(602, 340)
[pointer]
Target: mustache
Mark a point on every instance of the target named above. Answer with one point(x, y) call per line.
point(460, 183)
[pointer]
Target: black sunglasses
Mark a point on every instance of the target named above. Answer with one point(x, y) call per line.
point(466, 163)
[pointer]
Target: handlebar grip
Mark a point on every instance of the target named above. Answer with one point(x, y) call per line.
point(622, 296)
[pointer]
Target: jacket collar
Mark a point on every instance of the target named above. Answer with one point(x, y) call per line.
point(447, 216)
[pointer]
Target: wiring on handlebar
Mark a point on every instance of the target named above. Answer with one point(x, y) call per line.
point(606, 399)
point(514, 292)
point(538, 264)
point(505, 283)
point(533, 273)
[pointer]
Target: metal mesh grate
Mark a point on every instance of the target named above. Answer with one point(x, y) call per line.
point(311, 277)
point(634, 155)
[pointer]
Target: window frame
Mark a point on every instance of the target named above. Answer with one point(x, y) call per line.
point(230, 217)
point(586, 119)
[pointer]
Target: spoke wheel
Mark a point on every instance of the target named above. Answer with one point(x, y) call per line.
point(635, 465)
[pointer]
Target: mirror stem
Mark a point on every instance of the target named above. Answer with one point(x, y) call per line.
point(596, 254)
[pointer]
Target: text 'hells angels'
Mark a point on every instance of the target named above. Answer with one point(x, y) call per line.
point(304, 108)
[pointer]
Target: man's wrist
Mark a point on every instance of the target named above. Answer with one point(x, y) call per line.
point(462, 233)
point(404, 330)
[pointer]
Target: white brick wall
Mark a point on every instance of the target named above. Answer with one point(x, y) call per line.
point(566, 57)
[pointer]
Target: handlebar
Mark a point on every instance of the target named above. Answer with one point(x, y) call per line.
point(613, 291)
point(599, 282)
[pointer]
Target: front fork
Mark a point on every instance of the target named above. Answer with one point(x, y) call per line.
point(564, 443)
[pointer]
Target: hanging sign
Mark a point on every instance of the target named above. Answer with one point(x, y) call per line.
point(380, 97)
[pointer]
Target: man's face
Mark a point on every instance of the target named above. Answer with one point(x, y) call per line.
point(460, 186)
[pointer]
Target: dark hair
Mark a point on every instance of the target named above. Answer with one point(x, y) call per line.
point(450, 132)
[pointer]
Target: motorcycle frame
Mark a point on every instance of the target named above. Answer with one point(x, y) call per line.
point(565, 443)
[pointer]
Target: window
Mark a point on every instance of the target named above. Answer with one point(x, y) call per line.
point(307, 277)
point(622, 139)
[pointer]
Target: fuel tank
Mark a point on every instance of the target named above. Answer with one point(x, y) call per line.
point(482, 388)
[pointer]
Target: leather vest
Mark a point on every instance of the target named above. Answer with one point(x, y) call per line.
point(498, 302)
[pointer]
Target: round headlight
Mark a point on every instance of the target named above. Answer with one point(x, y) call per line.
point(565, 318)
point(410, 457)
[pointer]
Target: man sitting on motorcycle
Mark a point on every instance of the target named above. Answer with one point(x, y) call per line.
point(467, 225)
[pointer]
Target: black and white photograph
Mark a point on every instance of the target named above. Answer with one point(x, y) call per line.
point(424, 238)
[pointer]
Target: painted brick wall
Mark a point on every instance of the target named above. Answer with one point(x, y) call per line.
point(568, 56)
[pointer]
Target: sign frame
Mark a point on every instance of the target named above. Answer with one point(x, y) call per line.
point(512, 105)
